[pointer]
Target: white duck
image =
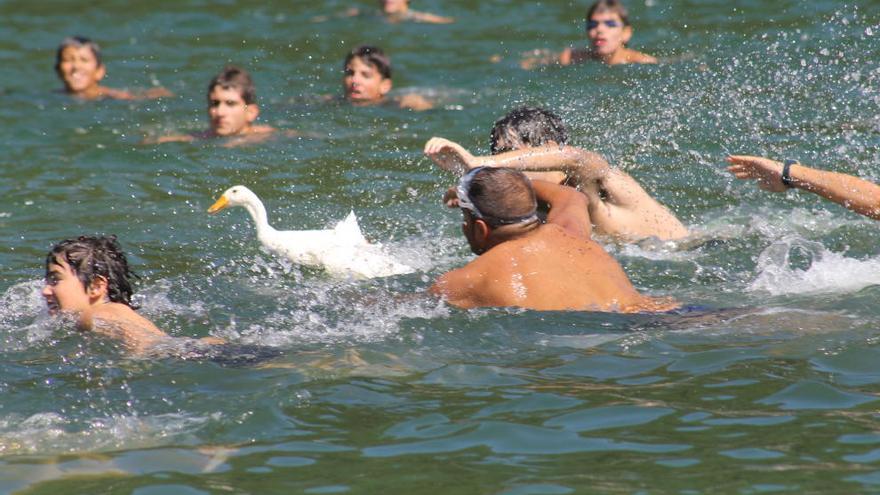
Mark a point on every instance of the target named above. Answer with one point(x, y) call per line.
point(341, 251)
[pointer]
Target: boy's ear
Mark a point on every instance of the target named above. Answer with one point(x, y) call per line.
point(252, 111)
point(385, 86)
point(481, 230)
point(101, 72)
point(97, 288)
point(627, 34)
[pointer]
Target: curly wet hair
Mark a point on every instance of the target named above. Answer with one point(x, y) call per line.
point(90, 257)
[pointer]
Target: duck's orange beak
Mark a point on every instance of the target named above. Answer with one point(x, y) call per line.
point(218, 205)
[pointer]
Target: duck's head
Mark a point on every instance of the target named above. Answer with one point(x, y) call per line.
point(234, 196)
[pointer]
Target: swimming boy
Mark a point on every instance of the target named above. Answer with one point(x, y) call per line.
point(88, 277)
point(527, 264)
point(396, 11)
point(534, 140)
point(857, 194)
point(232, 109)
point(609, 30)
point(367, 80)
point(79, 66)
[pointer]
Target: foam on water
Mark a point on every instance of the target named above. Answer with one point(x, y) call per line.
point(827, 271)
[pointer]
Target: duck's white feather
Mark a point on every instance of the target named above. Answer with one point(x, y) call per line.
point(342, 251)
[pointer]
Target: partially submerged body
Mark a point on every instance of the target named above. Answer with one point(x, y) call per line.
point(87, 278)
point(395, 11)
point(523, 263)
point(79, 66)
point(367, 81)
point(232, 110)
point(608, 30)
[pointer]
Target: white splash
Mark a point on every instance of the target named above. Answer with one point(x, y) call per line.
point(828, 271)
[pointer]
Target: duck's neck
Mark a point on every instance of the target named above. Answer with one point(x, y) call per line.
point(258, 213)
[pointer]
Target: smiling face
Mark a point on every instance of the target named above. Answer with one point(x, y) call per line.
point(229, 113)
point(607, 33)
point(363, 83)
point(63, 290)
point(79, 69)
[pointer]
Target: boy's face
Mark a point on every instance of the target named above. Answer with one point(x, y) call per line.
point(63, 290)
point(607, 33)
point(229, 114)
point(363, 83)
point(79, 69)
point(394, 6)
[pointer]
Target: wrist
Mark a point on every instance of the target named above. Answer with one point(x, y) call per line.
point(785, 177)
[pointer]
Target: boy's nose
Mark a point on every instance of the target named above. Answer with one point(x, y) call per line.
point(47, 291)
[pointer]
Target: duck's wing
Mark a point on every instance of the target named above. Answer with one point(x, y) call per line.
point(366, 261)
point(349, 232)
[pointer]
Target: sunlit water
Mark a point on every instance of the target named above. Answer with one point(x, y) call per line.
point(379, 390)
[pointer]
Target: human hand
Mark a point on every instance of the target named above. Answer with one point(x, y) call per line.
point(767, 172)
point(449, 155)
point(450, 197)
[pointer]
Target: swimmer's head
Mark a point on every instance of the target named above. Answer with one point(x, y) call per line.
point(78, 64)
point(98, 263)
point(394, 6)
point(367, 75)
point(495, 197)
point(525, 127)
point(232, 105)
point(607, 26)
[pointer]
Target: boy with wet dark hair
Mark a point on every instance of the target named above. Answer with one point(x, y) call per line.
point(367, 80)
point(609, 30)
point(232, 109)
point(534, 140)
point(88, 277)
point(79, 66)
point(527, 126)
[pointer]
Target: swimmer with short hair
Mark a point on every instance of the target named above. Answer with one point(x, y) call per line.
point(534, 140)
point(523, 263)
point(79, 66)
point(232, 109)
point(367, 80)
point(609, 30)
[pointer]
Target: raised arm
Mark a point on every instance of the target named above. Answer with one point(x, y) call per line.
point(857, 194)
point(568, 207)
point(580, 166)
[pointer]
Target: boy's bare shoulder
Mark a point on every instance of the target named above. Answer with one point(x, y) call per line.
point(414, 101)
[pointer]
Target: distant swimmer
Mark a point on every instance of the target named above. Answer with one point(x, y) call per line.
point(524, 263)
point(88, 278)
point(79, 66)
point(232, 109)
point(608, 29)
point(367, 81)
point(396, 11)
point(858, 195)
point(534, 140)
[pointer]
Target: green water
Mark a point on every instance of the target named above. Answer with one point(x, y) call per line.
point(379, 392)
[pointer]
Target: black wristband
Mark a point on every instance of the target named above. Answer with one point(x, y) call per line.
point(786, 172)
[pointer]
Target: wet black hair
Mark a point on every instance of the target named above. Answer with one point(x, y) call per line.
point(77, 42)
point(527, 126)
point(613, 6)
point(232, 77)
point(91, 257)
point(371, 55)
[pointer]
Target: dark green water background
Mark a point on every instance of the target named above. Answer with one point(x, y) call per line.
point(376, 392)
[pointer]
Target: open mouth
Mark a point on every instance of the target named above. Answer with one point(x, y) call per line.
point(53, 307)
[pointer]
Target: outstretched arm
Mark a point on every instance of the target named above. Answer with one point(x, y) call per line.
point(857, 194)
point(568, 207)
